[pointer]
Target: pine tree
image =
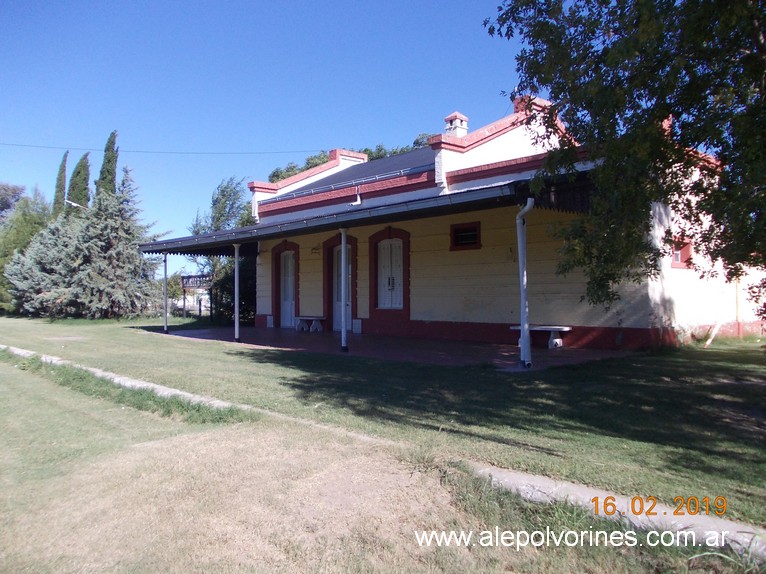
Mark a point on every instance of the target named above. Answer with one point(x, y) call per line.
point(113, 279)
point(60, 195)
point(87, 265)
point(107, 179)
point(79, 192)
point(40, 279)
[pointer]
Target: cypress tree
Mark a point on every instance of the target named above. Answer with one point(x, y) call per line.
point(107, 179)
point(60, 195)
point(79, 192)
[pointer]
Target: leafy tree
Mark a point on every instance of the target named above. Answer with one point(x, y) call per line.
point(227, 205)
point(380, 151)
point(421, 140)
point(107, 179)
point(9, 195)
point(60, 194)
point(652, 89)
point(79, 191)
point(292, 168)
point(229, 208)
point(175, 286)
point(28, 217)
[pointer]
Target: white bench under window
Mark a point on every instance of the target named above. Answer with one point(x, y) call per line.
point(555, 340)
point(309, 323)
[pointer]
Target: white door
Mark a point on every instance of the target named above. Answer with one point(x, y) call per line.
point(287, 295)
point(337, 304)
point(390, 274)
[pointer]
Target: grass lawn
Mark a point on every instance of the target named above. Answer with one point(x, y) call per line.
point(687, 423)
point(90, 484)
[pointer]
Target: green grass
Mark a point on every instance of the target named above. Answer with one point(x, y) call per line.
point(139, 399)
point(685, 423)
point(46, 429)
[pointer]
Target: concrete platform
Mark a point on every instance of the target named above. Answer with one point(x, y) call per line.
point(428, 351)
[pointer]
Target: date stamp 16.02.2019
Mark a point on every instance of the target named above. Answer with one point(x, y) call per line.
point(648, 506)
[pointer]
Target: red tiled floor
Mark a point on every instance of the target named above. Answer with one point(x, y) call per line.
point(440, 352)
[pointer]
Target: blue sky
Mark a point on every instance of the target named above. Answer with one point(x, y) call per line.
point(245, 86)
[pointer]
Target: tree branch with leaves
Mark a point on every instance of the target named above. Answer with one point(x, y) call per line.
point(653, 89)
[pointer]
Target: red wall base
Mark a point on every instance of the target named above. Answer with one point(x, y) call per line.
point(730, 330)
point(580, 337)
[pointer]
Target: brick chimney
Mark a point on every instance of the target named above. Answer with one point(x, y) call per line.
point(456, 124)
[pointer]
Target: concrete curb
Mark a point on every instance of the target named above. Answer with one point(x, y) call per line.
point(743, 538)
point(169, 392)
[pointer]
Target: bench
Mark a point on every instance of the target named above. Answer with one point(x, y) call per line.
point(555, 340)
point(309, 323)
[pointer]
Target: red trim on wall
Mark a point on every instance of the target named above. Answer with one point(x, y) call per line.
point(328, 276)
point(518, 165)
point(730, 330)
point(334, 161)
point(276, 279)
point(608, 338)
point(388, 320)
point(619, 338)
point(684, 249)
point(579, 337)
point(344, 195)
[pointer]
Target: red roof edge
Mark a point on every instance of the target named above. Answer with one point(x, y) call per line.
point(334, 161)
point(506, 167)
point(523, 108)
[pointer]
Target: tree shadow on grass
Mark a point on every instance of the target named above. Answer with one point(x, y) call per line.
point(710, 406)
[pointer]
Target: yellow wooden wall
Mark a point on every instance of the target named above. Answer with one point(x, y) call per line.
point(475, 286)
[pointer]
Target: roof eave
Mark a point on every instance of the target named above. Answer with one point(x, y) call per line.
point(220, 243)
